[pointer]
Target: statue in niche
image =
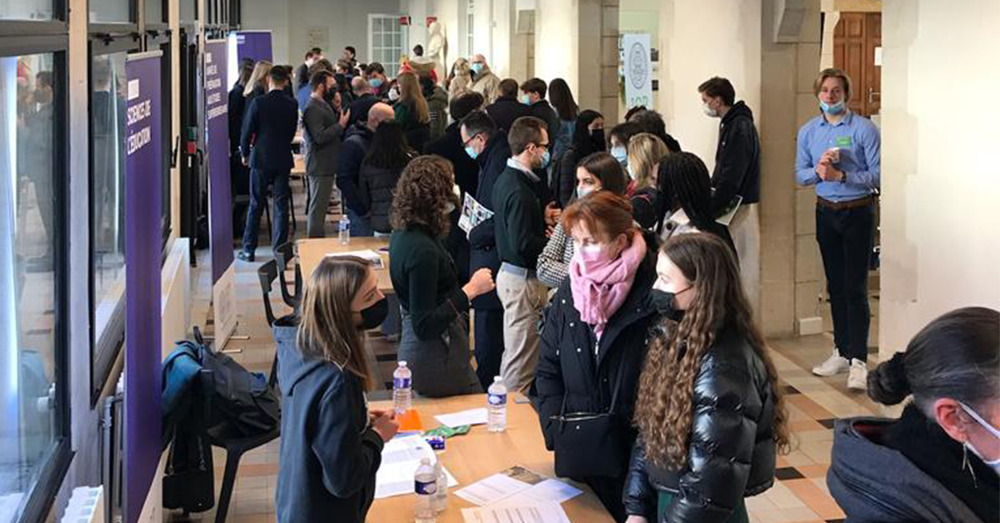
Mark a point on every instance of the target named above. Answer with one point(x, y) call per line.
point(437, 48)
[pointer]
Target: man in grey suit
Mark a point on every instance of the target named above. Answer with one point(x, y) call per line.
point(323, 133)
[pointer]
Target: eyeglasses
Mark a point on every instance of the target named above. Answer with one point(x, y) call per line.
point(543, 145)
point(473, 137)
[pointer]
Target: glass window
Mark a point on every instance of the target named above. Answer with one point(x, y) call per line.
point(107, 234)
point(25, 10)
point(29, 424)
point(153, 9)
point(110, 11)
point(188, 13)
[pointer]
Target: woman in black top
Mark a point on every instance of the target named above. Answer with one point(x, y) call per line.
point(380, 171)
point(588, 138)
point(435, 337)
point(412, 111)
point(941, 459)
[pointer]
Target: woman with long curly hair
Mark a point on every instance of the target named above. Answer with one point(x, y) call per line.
point(435, 337)
point(711, 418)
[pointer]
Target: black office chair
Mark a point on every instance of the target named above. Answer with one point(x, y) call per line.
point(235, 444)
point(267, 274)
point(285, 255)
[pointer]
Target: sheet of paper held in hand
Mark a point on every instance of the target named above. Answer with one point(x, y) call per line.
point(517, 487)
point(400, 459)
point(366, 254)
point(473, 213)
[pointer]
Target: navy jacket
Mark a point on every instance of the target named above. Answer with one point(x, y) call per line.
point(235, 110)
point(519, 205)
point(270, 125)
point(450, 148)
point(329, 453)
point(482, 239)
point(505, 110)
point(357, 141)
point(737, 160)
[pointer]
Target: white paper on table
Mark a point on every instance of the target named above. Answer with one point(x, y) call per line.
point(552, 490)
point(491, 489)
point(366, 254)
point(400, 459)
point(465, 417)
point(538, 512)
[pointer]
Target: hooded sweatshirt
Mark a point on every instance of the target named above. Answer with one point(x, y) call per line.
point(329, 453)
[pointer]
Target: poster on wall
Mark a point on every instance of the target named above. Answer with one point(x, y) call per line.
point(220, 204)
point(143, 253)
point(638, 70)
point(255, 45)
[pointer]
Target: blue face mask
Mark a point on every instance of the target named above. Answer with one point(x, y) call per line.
point(525, 99)
point(620, 154)
point(546, 158)
point(469, 150)
point(476, 68)
point(836, 108)
point(376, 82)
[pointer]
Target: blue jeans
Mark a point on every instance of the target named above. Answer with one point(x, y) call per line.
point(845, 242)
point(260, 179)
point(360, 225)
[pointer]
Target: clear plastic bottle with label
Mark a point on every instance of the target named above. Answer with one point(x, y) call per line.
point(425, 488)
point(402, 391)
point(496, 405)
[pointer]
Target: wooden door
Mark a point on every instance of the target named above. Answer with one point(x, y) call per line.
point(856, 39)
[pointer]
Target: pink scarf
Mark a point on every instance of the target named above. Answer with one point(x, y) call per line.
point(600, 287)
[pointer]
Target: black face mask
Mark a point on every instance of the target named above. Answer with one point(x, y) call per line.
point(375, 314)
point(597, 139)
point(665, 303)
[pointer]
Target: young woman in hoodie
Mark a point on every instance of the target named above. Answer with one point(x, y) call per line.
point(331, 443)
point(939, 462)
point(593, 345)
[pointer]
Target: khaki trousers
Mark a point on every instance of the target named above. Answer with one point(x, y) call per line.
point(522, 298)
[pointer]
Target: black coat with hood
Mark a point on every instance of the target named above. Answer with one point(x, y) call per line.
point(376, 188)
point(737, 160)
point(482, 239)
point(329, 452)
point(568, 368)
point(731, 451)
point(898, 471)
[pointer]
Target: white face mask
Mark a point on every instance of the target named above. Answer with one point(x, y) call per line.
point(994, 464)
point(709, 111)
point(584, 190)
point(393, 95)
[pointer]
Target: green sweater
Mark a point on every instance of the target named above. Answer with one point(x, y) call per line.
point(426, 282)
point(519, 219)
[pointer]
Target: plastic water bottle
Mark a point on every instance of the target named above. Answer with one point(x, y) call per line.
point(496, 420)
point(441, 498)
point(402, 394)
point(345, 229)
point(425, 487)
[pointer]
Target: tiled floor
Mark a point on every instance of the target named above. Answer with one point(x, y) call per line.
point(799, 495)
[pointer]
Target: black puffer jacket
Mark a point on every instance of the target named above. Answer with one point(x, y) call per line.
point(568, 367)
point(376, 188)
point(731, 451)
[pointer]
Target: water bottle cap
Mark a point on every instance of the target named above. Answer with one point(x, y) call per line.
point(497, 379)
point(402, 363)
point(425, 461)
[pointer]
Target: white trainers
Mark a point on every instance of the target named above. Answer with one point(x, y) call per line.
point(836, 364)
point(858, 378)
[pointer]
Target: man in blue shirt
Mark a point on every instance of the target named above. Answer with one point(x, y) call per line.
point(838, 152)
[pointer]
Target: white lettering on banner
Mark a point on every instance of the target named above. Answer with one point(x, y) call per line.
point(211, 70)
point(133, 89)
point(139, 112)
point(139, 139)
point(213, 98)
point(208, 59)
point(217, 111)
point(213, 84)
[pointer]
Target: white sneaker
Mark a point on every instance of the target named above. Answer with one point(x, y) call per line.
point(836, 364)
point(858, 378)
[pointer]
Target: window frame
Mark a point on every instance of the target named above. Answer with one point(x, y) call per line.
point(105, 346)
point(42, 494)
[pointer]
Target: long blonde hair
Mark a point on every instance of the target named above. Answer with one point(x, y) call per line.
point(326, 322)
point(259, 77)
point(412, 96)
point(664, 402)
point(645, 150)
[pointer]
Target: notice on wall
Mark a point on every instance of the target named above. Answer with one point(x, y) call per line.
point(318, 36)
point(220, 216)
point(143, 253)
point(638, 70)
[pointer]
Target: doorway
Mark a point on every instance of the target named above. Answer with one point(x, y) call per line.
point(857, 49)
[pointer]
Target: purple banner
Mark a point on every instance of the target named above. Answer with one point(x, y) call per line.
point(220, 206)
point(255, 45)
point(143, 248)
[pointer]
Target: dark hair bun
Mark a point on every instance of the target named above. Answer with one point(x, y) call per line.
point(888, 383)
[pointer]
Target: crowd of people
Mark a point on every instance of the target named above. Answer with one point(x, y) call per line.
point(614, 283)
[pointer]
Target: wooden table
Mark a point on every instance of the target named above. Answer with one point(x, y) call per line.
point(312, 251)
point(480, 454)
point(299, 166)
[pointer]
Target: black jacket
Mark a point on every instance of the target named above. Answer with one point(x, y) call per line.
point(505, 110)
point(426, 282)
point(731, 449)
point(568, 368)
point(645, 207)
point(895, 471)
point(235, 109)
point(329, 453)
point(357, 141)
point(450, 148)
point(270, 124)
point(301, 77)
point(376, 188)
point(519, 218)
point(360, 107)
point(543, 111)
point(737, 160)
point(482, 239)
point(323, 132)
point(564, 180)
